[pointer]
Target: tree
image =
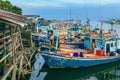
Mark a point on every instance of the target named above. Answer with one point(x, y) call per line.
point(41, 19)
point(6, 5)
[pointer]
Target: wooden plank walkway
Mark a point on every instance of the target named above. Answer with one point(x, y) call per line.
point(36, 70)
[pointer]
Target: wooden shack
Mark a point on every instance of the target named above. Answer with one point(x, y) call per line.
point(11, 48)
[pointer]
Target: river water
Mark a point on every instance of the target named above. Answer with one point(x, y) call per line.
point(110, 71)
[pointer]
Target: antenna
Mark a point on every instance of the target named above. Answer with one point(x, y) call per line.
point(101, 23)
point(100, 8)
point(70, 17)
point(70, 13)
point(88, 20)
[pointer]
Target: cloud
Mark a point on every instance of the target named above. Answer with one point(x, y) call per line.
point(36, 3)
point(90, 2)
point(31, 4)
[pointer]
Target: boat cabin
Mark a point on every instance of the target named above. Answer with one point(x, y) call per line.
point(107, 43)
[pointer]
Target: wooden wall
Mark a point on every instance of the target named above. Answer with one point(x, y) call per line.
point(10, 47)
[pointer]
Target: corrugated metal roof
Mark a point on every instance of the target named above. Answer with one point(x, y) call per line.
point(12, 17)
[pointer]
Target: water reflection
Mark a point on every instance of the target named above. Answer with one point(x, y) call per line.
point(110, 71)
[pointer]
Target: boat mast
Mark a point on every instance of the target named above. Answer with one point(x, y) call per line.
point(86, 10)
point(57, 36)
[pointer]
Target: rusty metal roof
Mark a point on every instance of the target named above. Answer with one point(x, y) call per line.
point(12, 17)
point(93, 34)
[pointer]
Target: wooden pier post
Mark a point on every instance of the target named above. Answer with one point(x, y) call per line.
point(15, 60)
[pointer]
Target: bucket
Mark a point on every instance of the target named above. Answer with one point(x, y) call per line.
point(112, 54)
point(81, 45)
point(118, 51)
point(81, 54)
point(100, 52)
point(75, 54)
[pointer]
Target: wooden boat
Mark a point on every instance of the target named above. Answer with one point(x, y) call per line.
point(63, 61)
point(98, 48)
point(84, 73)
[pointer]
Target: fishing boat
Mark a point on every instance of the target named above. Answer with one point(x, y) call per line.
point(98, 48)
point(74, 35)
point(84, 73)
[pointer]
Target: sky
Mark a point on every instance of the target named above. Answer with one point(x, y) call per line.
point(74, 9)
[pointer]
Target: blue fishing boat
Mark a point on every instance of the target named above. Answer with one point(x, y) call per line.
point(98, 48)
point(59, 61)
point(84, 73)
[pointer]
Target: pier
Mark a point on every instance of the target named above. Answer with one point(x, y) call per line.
point(14, 58)
point(36, 70)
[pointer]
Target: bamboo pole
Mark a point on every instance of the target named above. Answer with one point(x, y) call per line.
point(22, 54)
point(14, 72)
point(5, 57)
point(4, 45)
point(16, 43)
point(22, 57)
point(13, 55)
point(8, 72)
point(20, 68)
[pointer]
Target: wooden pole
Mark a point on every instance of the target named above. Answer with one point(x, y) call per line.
point(20, 68)
point(22, 54)
point(13, 55)
point(4, 46)
point(23, 57)
point(14, 72)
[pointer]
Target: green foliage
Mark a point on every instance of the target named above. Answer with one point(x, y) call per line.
point(6, 5)
point(45, 21)
point(26, 34)
point(41, 19)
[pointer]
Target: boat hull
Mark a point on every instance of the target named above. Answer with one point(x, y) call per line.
point(59, 61)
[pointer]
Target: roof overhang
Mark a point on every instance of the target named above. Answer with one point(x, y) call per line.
point(11, 17)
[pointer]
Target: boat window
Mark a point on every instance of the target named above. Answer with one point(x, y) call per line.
point(43, 48)
point(88, 39)
point(112, 45)
point(100, 43)
point(74, 29)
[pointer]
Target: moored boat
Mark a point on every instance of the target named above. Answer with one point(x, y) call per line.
point(98, 48)
point(60, 61)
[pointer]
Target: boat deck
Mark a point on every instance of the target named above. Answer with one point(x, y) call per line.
point(85, 55)
point(69, 51)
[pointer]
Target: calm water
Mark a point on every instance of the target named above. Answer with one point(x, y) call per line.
point(110, 71)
